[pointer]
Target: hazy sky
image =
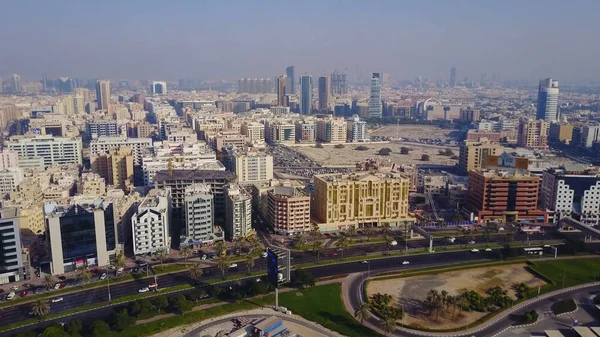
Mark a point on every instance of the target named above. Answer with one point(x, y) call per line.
point(169, 39)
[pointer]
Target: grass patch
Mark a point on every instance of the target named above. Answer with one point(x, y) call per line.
point(170, 268)
point(564, 306)
point(572, 271)
point(323, 305)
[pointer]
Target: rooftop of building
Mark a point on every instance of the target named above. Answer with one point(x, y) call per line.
point(155, 198)
point(506, 174)
point(55, 209)
point(289, 191)
point(576, 169)
point(9, 212)
point(360, 176)
point(197, 189)
point(165, 175)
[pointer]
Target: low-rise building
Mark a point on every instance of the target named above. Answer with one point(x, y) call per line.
point(151, 224)
point(288, 210)
point(238, 212)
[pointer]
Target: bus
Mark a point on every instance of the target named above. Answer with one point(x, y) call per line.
point(534, 250)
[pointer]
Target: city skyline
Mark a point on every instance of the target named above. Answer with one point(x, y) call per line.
point(511, 43)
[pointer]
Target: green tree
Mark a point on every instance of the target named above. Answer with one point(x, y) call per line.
point(40, 307)
point(197, 294)
point(53, 331)
point(99, 328)
point(404, 150)
point(84, 275)
point(361, 148)
point(27, 334)
point(363, 312)
point(119, 260)
point(425, 157)
point(388, 325)
point(162, 255)
point(237, 245)
point(219, 248)
point(181, 304)
point(343, 243)
point(368, 232)
point(195, 271)
point(303, 278)
point(317, 247)
point(160, 302)
point(315, 232)
point(388, 244)
point(74, 328)
point(351, 231)
point(339, 146)
point(385, 151)
point(185, 252)
point(223, 264)
point(121, 320)
point(49, 281)
point(509, 238)
point(250, 261)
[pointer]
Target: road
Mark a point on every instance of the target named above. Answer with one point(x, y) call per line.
point(100, 295)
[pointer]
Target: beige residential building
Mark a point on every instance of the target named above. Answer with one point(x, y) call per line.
point(92, 184)
point(305, 131)
point(560, 133)
point(31, 218)
point(288, 210)
point(278, 132)
point(255, 132)
point(116, 167)
point(332, 130)
point(362, 199)
point(227, 139)
point(253, 167)
point(8, 159)
point(474, 155)
point(145, 130)
point(533, 134)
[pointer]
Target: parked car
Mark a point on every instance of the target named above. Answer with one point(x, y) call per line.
point(23, 293)
point(14, 287)
point(333, 254)
point(62, 285)
point(103, 276)
point(488, 249)
point(475, 250)
point(10, 296)
point(57, 286)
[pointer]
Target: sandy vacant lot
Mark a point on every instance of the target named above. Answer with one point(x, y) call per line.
point(331, 156)
point(411, 291)
point(411, 131)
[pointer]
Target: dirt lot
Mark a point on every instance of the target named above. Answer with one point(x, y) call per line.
point(412, 131)
point(329, 155)
point(411, 291)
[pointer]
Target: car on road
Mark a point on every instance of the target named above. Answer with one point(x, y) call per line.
point(213, 257)
point(57, 286)
point(474, 250)
point(10, 296)
point(58, 299)
point(204, 257)
point(103, 276)
point(14, 287)
point(472, 242)
point(488, 249)
point(364, 262)
point(405, 262)
point(62, 285)
point(144, 290)
point(233, 265)
point(333, 254)
point(24, 293)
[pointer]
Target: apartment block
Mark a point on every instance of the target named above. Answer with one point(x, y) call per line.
point(11, 253)
point(116, 167)
point(151, 224)
point(363, 199)
point(474, 155)
point(9, 180)
point(288, 210)
point(252, 167)
point(560, 133)
point(332, 130)
point(92, 184)
point(107, 128)
point(238, 212)
point(8, 159)
point(138, 146)
point(356, 130)
point(53, 150)
point(505, 195)
point(253, 131)
point(199, 215)
point(533, 134)
point(278, 132)
point(305, 131)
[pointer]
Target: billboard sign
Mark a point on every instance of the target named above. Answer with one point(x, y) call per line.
point(272, 268)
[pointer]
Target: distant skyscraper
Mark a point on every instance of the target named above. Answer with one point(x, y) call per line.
point(158, 87)
point(15, 83)
point(339, 85)
point(281, 80)
point(103, 94)
point(254, 86)
point(291, 80)
point(65, 85)
point(375, 107)
point(547, 105)
point(324, 93)
point(45, 82)
point(453, 77)
point(306, 88)
point(1, 85)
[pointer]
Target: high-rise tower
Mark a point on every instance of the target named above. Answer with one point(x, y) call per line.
point(453, 77)
point(547, 105)
point(306, 87)
point(291, 80)
point(281, 99)
point(324, 93)
point(15, 83)
point(375, 108)
point(339, 84)
point(103, 94)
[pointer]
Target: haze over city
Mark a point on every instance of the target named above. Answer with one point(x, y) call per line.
point(231, 39)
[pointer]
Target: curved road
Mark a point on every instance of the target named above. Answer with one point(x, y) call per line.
point(354, 295)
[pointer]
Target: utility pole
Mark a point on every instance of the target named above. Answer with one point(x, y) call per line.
point(108, 285)
point(564, 274)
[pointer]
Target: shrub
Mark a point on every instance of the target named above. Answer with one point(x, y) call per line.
point(385, 151)
point(361, 148)
point(404, 150)
point(380, 304)
point(425, 157)
point(561, 307)
point(339, 146)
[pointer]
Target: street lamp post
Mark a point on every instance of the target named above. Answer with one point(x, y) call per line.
point(108, 286)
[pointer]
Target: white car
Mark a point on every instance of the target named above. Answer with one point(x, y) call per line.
point(204, 257)
point(488, 249)
point(365, 262)
point(475, 250)
point(14, 287)
point(57, 286)
point(472, 242)
point(144, 290)
point(233, 265)
point(103, 276)
point(264, 254)
point(56, 300)
point(405, 262)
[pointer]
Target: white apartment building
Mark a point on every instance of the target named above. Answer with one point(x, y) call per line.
point(11, 258)
point(305, 132)
point(255, 132)
point(252, 167)
point(332, 130)
point(10, 179)
point(150, 225)
point(179, 156)
point(357, 130)
point(278, 132)
point(102, 145)
point(238, 212)
point(53, 150)
point(99, 128)
point(198, 206)
point(8, 159)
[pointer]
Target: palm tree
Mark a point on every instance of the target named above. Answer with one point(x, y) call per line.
point(509, 238)
point(486, 234)
point(388, 244)
point(363, 312)
point(385, 230)
point(119, 260)
point(83, 274)
point(185, 251)
point(223, 264)
point(343, 243)
point(195, 271)
point(368, 232)
point(317, 247)
point(162, 255)
point(219, 248)
point(451, 302)
point(460, 302)
point(315, 232)
point(351, 231)
point(237, 245)
point(444, 298)
point(250, 261)
point(40, 307)
point(49, 281)
point(388, 325)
